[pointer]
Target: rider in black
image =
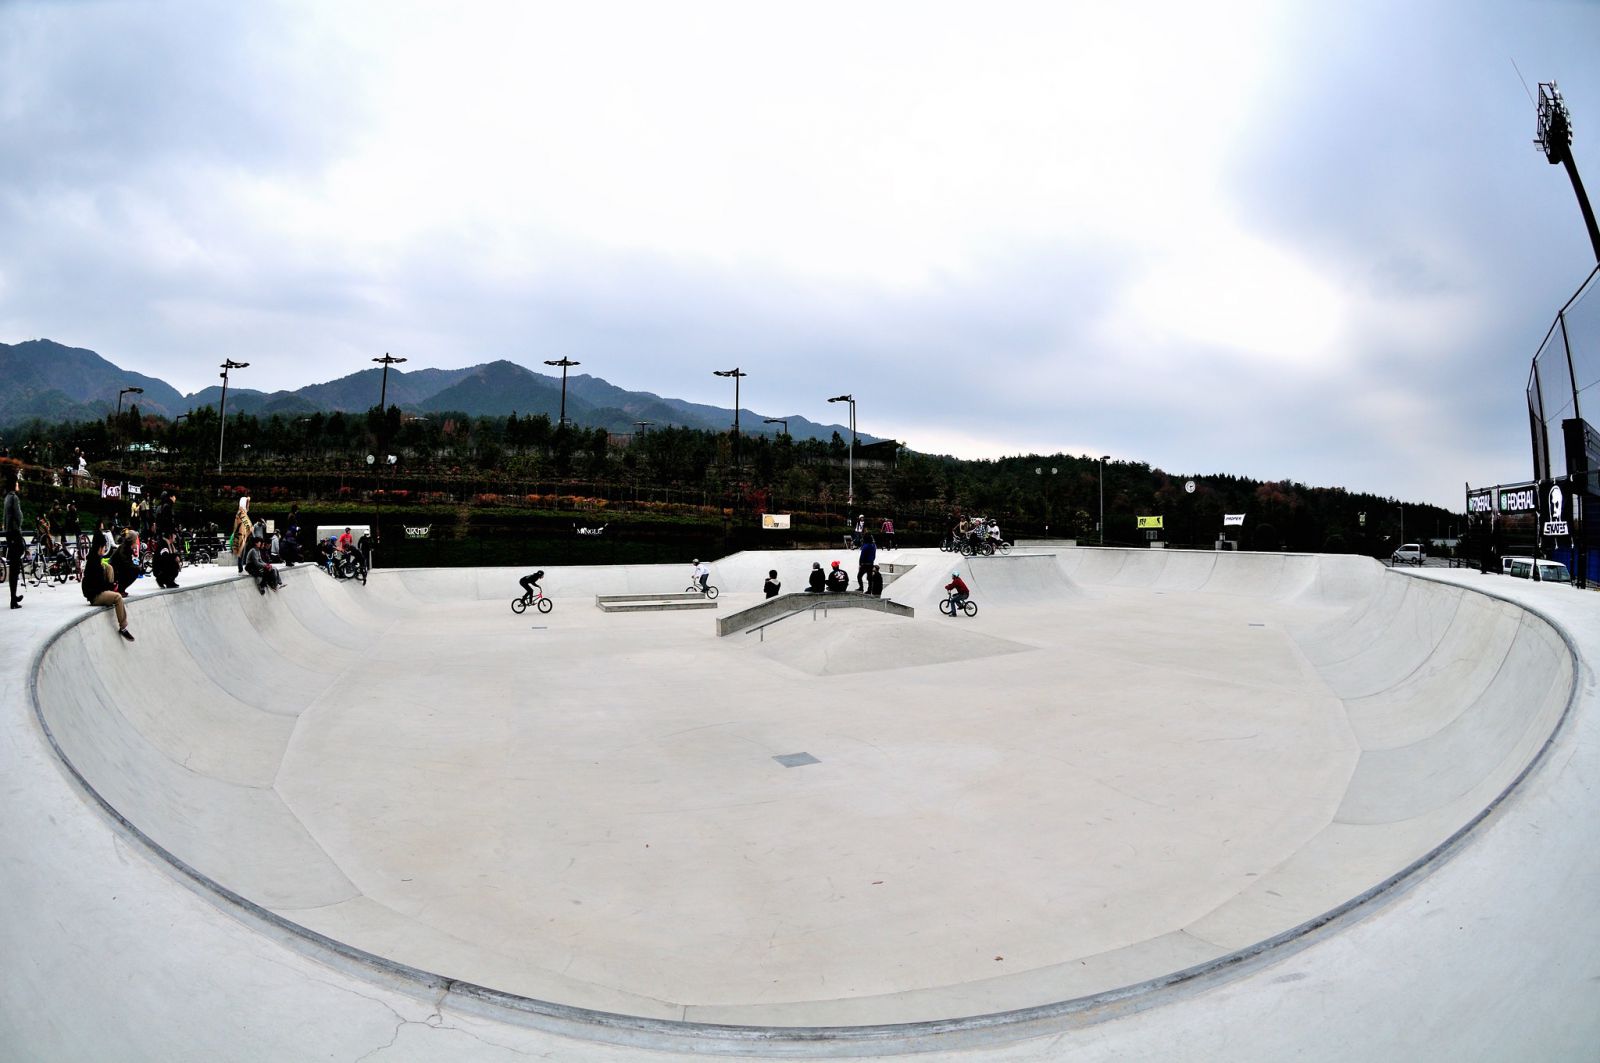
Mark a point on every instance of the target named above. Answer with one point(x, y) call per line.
point(530, 584)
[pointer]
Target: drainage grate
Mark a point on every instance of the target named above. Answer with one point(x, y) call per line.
point(796, 760)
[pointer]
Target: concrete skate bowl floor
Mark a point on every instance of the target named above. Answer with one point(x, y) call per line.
point(1131, 770)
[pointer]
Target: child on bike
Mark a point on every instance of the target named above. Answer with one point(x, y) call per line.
point(959, 592)
point(530, 585)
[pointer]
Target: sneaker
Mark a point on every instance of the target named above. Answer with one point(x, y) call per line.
point(125, 633)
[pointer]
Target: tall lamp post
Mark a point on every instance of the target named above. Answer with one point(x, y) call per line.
point(222, 420)
point(1103, 459)
point(851, 465)
point(737, 375)
point(565, 363)
point(778, 420)
point(1044, 493)
point(125, 391)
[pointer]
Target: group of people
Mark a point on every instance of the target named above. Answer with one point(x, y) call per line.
point(976, 531)
point(858, 532)
point(869, 579)
point(106, 573)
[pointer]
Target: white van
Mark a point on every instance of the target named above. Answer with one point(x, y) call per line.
point(1522, 568)
point(1409, 554)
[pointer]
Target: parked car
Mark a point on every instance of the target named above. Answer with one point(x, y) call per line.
point(1549, 571)
point(1409, 554)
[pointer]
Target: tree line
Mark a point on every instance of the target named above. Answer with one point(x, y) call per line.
point(1058, 495)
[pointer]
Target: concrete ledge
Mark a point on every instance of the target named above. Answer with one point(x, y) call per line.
point(784, 604)
point(654, 603)
point(676, 596)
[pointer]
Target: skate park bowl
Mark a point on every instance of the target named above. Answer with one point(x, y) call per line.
point(1131, 770)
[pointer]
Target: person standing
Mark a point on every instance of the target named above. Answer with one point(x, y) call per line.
point(887, 533)
point(241, 531)
point(13, 531)
point(869, 554)
point(861, 528)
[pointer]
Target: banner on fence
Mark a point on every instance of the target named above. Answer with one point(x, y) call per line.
point(1232, 520)
point(1151, 522)
point(775, 521)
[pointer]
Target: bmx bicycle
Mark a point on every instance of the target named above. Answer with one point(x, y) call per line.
point(709, 590)
point(520, 604)
point(948, 606)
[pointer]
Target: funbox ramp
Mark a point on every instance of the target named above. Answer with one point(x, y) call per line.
point(1450, 695)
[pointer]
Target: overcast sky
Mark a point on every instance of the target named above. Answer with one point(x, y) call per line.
point(1280, 240)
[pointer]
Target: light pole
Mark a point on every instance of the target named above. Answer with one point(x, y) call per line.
point(779, 420)
point(565, 363)
point(737, 375)
point(222, 420)
point(383, 392)
point(125, 391)
point(1103, 459)
point(642, 425)
point(1044, 494)
point(1555, 140)
point(851, 488)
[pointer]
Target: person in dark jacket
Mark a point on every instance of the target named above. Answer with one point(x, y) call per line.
point(838, 580)
point(255, 563)
point(13, 532)
point(818, 582)
point(772, 586)
point(166, 564)
point(875, 582)
point(99, 586)
point(125, 561)
point(869, 554)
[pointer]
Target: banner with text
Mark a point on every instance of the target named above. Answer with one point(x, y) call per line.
point(1233, 520)
point(1150, 522)
point(775, 521)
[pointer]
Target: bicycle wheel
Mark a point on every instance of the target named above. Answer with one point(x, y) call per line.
point(33, 571)
point(969, 607)
point(1005, 548)
point(947, 607)
point(711, 592)
point(988, 549)
point(518, 605)
point(545, 605)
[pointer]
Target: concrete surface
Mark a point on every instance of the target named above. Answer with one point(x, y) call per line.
point(1148, 804)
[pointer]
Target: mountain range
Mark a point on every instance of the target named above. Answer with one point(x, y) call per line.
point(53, 382)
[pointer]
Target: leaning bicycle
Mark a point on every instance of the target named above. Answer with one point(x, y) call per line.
point(538, 601)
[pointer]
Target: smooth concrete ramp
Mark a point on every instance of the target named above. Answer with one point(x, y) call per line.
point(1133, 768)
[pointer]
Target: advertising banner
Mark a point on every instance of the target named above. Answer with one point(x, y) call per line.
point(1522, 498)
point(1233, 520)
point(1480, 502)
point(775, 521)
point(1151, 522)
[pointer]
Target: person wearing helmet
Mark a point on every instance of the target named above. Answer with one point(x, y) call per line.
point(701, 575)
point(958, 591)
point(838, 579)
